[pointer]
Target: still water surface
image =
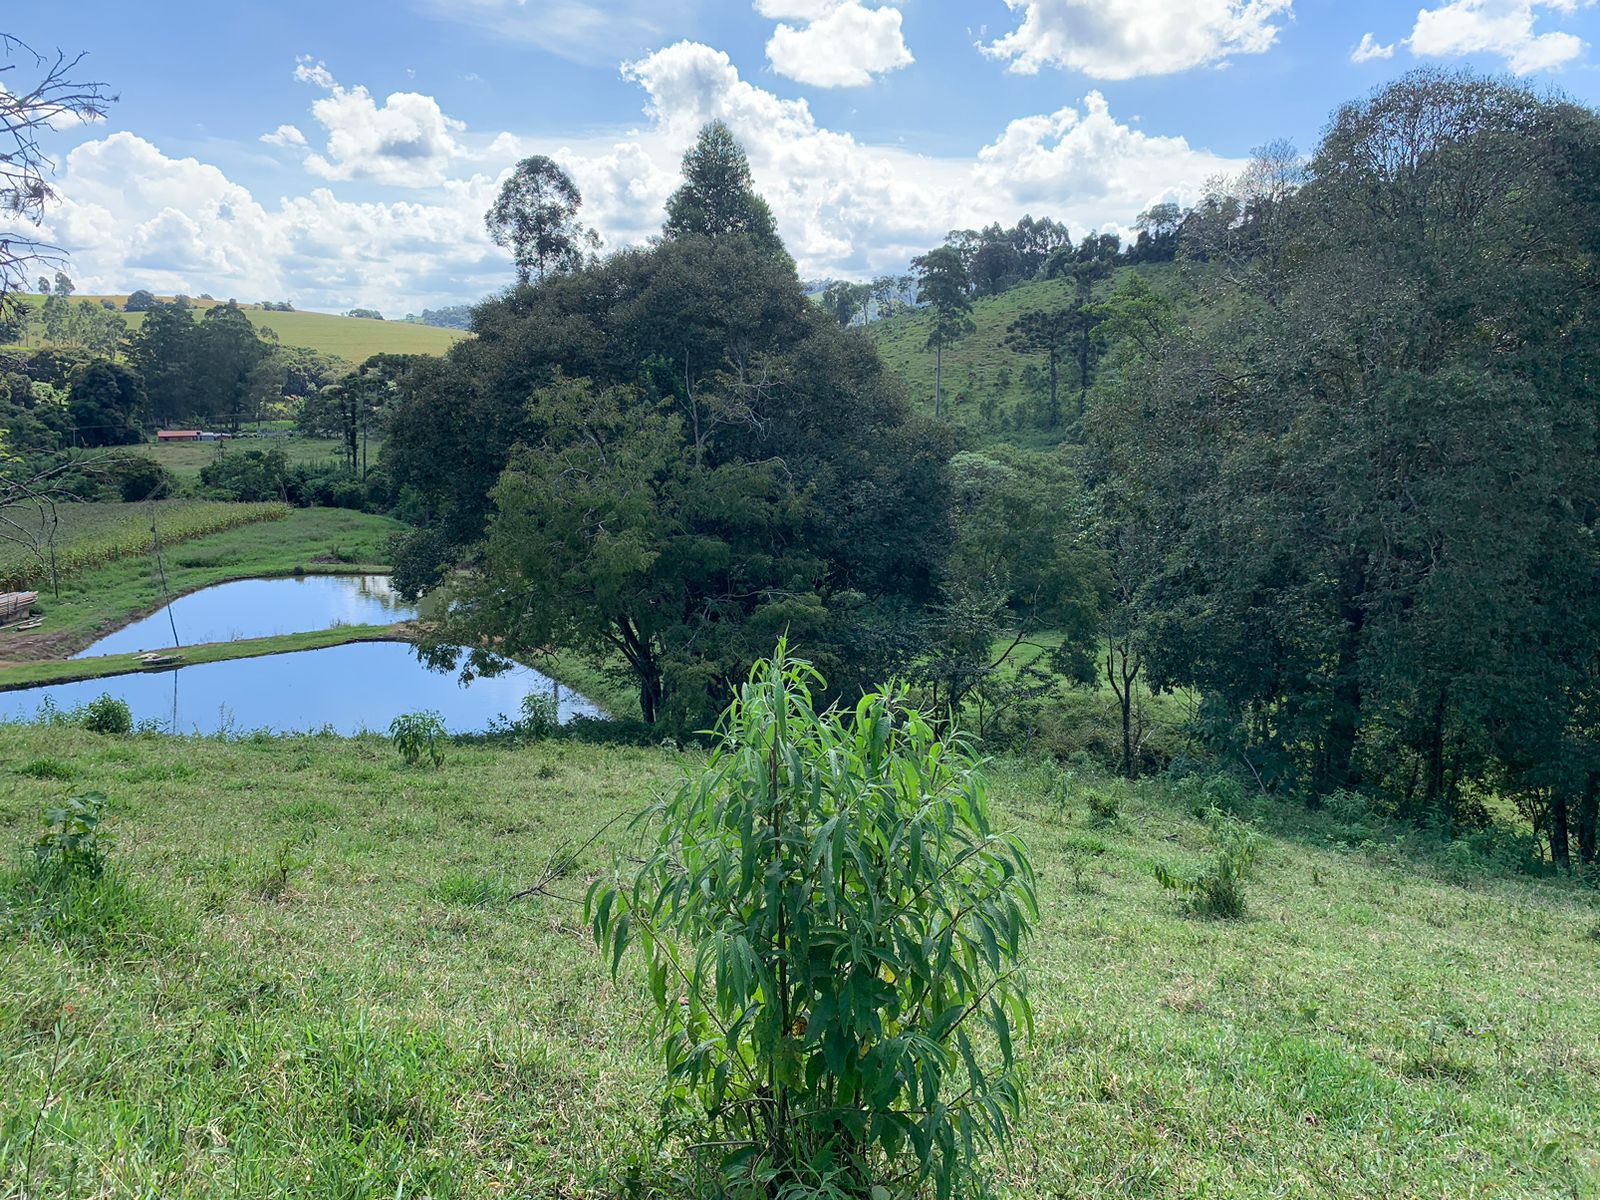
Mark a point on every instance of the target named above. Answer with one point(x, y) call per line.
point(352, 688)
point(253, 608)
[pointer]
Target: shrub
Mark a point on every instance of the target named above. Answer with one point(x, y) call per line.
point(1202, 792)
point(832, 932)
point(325, 487)
point(417, 736)
point(1495, 849)
point(106, 714)
point(137, 477)
point(293, 856)
point(541, 715)
point(1080, 853)
point(73, 844)
point(1217, 890)
point(1105, 805)
point(250, 475)
point(1352, 817)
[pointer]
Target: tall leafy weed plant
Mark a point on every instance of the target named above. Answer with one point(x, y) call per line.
point(74, 844)
point(1217, 889)
point(419, 737)
point(832, 933)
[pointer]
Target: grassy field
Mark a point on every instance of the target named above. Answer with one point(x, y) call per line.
point(309, 980)
point(96, 601)
point(95, 535)
point(185, 459)
point(354, 339)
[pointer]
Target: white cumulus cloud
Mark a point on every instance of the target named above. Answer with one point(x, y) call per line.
point(132, 216)
point(287, 136)
point(1370, 49)
point(842, 43)
point(1123, 39)
point(1505, 28)
point(406, 142)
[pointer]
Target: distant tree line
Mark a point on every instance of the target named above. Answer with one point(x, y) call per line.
point(455, 316)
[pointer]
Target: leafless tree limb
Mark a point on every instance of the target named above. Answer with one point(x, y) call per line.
point(53, 101)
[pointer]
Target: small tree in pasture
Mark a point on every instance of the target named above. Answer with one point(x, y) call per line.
point(832, 932)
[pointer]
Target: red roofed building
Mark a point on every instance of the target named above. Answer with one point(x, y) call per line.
point(178, 435)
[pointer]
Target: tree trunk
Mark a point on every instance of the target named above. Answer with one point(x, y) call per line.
point(1083, 378)
point(1055, 403)
point(1122, 683)
point(938, 379)
point(1339, 742)
point(1588, 812)
point(1560, 834)
point(1433, 789)
point(1127, 735)
point(649, 696)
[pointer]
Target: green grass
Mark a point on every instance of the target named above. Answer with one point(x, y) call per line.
point(306, 978)
point(185, 459)
point(93, 535)
point(95, 601)
point(354, 339)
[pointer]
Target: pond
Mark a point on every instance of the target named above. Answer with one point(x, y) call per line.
point(353, 688)
point(253, 608)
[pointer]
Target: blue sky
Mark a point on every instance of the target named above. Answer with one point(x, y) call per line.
point(342, 153)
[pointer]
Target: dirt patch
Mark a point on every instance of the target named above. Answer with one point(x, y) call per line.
point(40, 645)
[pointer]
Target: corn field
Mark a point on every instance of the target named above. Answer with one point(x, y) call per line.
point(91, 535)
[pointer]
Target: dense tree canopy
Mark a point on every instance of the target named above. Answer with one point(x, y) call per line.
point(672, 456)
point(218, 368)
point(1382, 568)
point(717, 196)
point(106, 404)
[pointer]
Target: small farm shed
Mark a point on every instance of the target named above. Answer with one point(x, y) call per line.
point(212, 437)
point(15, 605)
point(178, 435)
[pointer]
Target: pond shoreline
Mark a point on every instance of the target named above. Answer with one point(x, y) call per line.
point(23, 676)
point(45, 646)
point(359, 685)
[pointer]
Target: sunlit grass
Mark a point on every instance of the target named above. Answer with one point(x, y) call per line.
point(1380, 1024)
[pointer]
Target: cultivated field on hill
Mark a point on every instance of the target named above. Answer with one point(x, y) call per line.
point(351, 338)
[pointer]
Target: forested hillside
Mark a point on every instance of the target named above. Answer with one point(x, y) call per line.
point(999, 390)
